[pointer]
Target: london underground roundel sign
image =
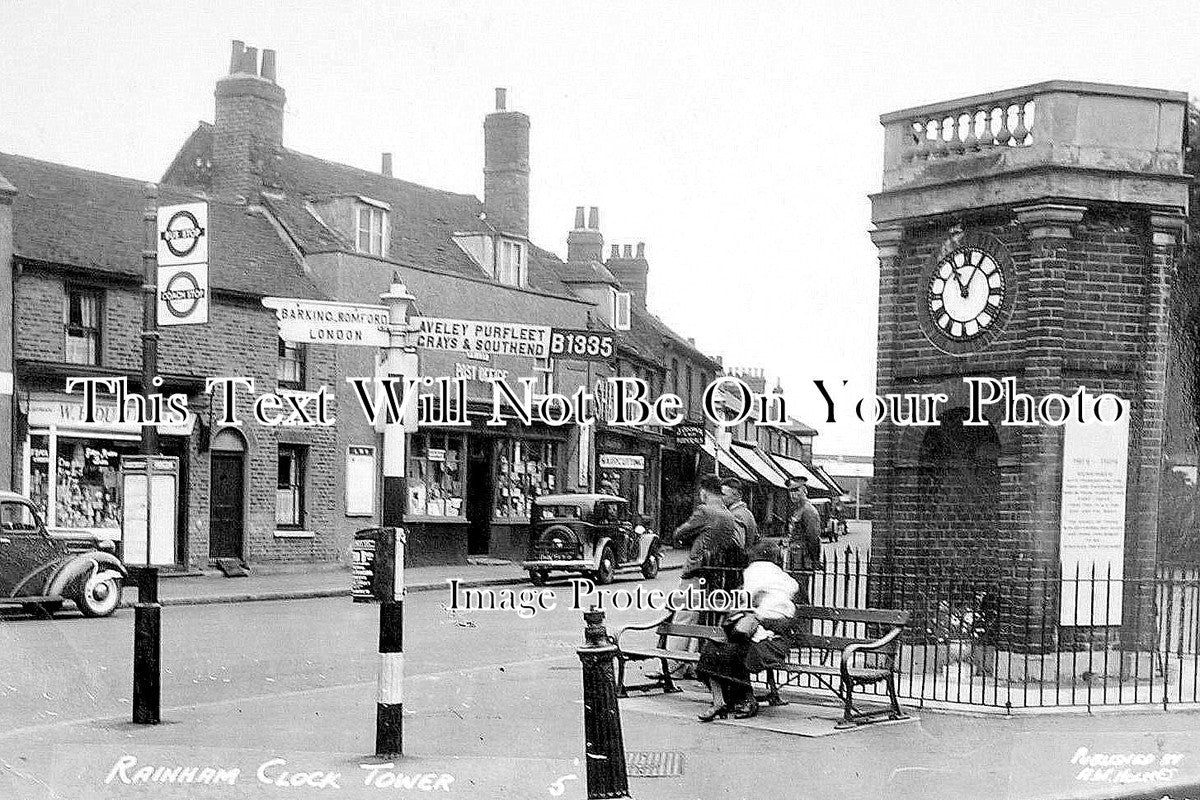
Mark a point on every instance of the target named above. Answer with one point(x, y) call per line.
point(183, 294)
point(183, 234)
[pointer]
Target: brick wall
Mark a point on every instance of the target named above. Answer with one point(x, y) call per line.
point(240, 339)
point(1090, 310)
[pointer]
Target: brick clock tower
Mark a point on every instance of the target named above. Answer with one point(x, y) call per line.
point(1028, 234)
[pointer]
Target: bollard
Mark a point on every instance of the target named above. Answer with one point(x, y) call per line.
point(605, 747)
point(147, 648)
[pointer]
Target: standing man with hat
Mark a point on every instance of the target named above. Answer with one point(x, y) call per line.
point(733, 492)
point(804, 526)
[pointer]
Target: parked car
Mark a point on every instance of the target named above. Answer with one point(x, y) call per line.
point(591, 535)
point(41, 572)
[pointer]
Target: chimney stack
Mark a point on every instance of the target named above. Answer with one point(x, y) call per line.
point(632, 271)
point(586, 243)
point(506, 168)
point(385, 168)
point(249, 115)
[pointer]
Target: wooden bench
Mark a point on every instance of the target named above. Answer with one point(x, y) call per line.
point(665, 628)
point(849, 653)
point(836, 661)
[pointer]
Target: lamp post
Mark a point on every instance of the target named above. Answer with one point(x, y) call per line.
point(398, 362)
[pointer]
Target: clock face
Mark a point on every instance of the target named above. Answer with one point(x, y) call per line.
point(966, 294)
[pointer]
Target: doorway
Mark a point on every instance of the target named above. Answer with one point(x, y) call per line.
point(226, 528)
point(479, 496)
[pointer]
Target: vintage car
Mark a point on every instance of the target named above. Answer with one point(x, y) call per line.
point(588, 534)
point(40, 572)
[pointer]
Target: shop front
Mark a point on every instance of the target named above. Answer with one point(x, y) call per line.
point(72, 468)
point(628, 466)
point(470, 490)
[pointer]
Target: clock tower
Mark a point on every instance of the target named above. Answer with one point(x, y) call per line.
point(1028, 234)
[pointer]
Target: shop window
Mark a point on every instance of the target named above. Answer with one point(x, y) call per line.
point(289, 492)
point(80, 486)
point(290, 367)
point(435, 473)
point(372, 223)
point(81, 321)
point(525, 470)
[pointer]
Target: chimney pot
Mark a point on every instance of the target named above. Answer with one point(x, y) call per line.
point(616, 251)
point(579, 224)
point(629, 251)
point(641, 249)
point(594, 218)
point(385, 167)
point(501, 98)
point(250, 61)
point(235, 57)
point(268, 65)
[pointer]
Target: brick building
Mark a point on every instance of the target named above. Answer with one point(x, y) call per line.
point(73, 253)
point(1059, 207)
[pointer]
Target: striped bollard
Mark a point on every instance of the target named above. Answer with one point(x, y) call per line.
point(389, 698)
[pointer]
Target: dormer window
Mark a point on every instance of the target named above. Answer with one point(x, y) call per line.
point(620, 310)
point(510, 263)
point(371, 229)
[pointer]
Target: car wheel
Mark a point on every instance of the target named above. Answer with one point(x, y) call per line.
point(99, 599)
point(651, 565)
point(608, 567)
point(538, 577)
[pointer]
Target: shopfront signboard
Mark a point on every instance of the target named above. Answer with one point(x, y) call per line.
point(621, 461)
point(321, 322)
point(153, 544)
point(689, 434)
point(476, 337)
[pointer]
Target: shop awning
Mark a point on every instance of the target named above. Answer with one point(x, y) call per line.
point(829, 479)
point(798, 469)
point(760, 463)
point(725, 459)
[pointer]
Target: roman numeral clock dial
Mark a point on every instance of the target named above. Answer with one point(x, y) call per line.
point(966, 293)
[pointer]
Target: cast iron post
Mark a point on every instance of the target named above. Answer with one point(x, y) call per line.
point(147, 613)
point(605, 747)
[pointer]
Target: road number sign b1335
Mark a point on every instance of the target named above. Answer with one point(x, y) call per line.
point(183, 234)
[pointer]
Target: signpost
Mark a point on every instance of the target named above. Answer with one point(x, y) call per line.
point(322, 322)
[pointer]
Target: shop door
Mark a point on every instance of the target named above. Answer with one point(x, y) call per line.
point(479, 496)
point(225, 537)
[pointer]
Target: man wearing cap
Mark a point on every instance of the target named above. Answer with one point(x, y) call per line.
point(804, 526)
point(733, 493)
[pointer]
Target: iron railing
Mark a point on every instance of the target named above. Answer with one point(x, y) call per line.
point(1019, 635)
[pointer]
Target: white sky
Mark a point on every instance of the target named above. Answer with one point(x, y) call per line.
point(738, 140)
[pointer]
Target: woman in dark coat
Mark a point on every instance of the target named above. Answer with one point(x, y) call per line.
point(758, 638)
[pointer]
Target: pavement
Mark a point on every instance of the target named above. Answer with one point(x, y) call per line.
point(335, 582)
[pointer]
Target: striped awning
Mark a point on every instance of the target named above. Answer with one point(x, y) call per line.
point(760, 463)
point(726, 459)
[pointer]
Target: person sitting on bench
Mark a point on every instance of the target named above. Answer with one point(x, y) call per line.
point(757, 638)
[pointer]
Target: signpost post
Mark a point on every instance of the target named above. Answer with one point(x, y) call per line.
point(175, 288)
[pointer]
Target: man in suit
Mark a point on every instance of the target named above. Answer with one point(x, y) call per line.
point(709, 533)
point(733, 493)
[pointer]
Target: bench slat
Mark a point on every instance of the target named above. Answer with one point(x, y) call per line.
point(658, 652)
point(883, 616)
point(692, 631)
point(825, 669)
point(819, 642)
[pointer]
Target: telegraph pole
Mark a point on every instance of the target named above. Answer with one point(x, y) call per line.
point(399, 362)
point(147, 613)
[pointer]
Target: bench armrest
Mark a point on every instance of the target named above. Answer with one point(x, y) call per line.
point(850, 651)
point(646, 627)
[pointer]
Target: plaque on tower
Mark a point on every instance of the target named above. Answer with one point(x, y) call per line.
point(1092, 531)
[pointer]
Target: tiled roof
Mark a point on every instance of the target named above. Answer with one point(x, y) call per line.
point(423, 220)
point(71, 216)
point(660, 327)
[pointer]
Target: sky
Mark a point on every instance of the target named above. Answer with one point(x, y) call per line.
point(739, 141)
